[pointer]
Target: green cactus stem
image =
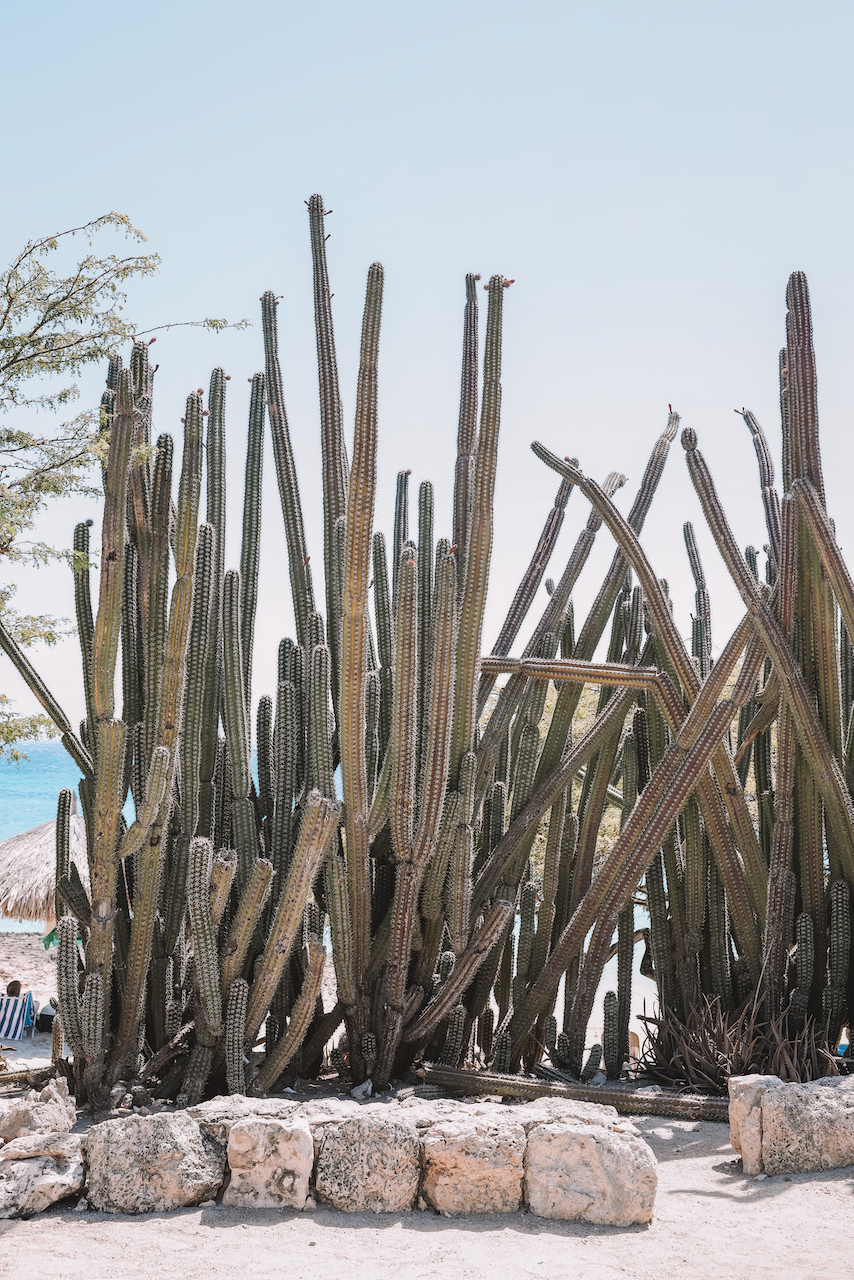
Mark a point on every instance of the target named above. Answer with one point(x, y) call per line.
point(354, 773)
point(300, 1020)
point(319, 827)
point(235, 1021)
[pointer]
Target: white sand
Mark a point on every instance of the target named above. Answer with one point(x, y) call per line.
point(711, 1223)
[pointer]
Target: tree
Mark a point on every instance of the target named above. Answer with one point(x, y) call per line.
point(51, 327)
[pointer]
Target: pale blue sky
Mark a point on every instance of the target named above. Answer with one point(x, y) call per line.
point(648, 174)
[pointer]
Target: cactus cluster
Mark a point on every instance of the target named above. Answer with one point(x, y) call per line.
point(399, 794)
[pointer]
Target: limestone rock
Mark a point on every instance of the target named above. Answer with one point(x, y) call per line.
point(585, 1172)
point(369, 1162)
point(50, 1110)
point(151, 1163)
point(270, 1162)
point(806, 1127)
point(61, 1146)
point(474, 1165)
point(217, 1116)
point(37, 1170)
point(745, 1117)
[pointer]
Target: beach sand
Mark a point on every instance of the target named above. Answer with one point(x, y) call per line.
point(711, 1223)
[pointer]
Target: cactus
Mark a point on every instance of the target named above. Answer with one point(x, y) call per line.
point(444, 786)
point(611, 1037)
point(235, 1022)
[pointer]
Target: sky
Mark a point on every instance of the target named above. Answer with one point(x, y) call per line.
point(648, 175)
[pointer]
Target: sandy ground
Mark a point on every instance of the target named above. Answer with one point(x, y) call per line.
point(711, 1222)
point(22, 956)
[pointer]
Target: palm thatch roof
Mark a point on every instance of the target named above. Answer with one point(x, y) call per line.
point(28, 870)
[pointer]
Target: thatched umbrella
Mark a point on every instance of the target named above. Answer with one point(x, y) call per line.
point(28, 870)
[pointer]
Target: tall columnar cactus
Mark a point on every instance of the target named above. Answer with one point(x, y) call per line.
point(202, 927)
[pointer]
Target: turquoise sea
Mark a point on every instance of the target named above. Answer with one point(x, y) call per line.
point(28, 793)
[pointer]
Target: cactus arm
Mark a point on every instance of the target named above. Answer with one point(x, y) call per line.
point(234, 699)
point(237, 730)
point(157, 592)
point(677, 657)
point(439, 714)
point(410, 868)
point(465, 970)
point(553, 619)
point(210, 690)
point(155, 792)
point(776, 940)
point(677, 774)
point(286, 474)
point(466, 429)
point(360, 512)
point(523, 827)
point(663, 797)
point(301, 1015)
point(385, 638)
point(246, 917)
point(802, 426)
point(197, 660)
point(319, 825)
point(107, 625)
point(207, 967)
point(619, 675)
point(824, 539)
point(152, 854)
point(222, 877)
point(479, 550)
point(285, 755)
point(597, 619)
point(235, 1020)
point(528, 587)
point(176, 895)
point(63, 843)
point(251, 544)
point(39, 689)
point(341, 928)
point(425, 614)
point(320, 745)
point(770, 496)
point(66, 977)
point(400, 537)
point(334, 470)
point(83, 613)
point(405, 712)
point(810, 731)
point(264, 739)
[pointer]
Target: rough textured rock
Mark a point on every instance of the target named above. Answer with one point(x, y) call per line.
point(50, 1110)
point(588, 1173)
point(369, 1161)
point(745, 1117)
point(37, 1170)
point(217, 1116)
point(270, 1162)
point(149, 1163)
point(474, 1165)
point(806, 1127)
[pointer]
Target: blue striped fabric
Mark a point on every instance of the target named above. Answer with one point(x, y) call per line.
point(16, 1016)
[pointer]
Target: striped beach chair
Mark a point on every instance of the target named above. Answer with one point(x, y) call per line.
point(17, 1016)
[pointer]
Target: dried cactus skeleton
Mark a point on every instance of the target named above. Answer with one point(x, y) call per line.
point(391, 811)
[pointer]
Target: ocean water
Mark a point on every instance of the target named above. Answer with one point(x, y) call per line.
point(28, 791)
point(28, 795)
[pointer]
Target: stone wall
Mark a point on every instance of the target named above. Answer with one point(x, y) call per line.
point(791, 1128)
point(566, 1160)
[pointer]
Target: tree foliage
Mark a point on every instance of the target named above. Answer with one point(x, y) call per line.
point(52, 326)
